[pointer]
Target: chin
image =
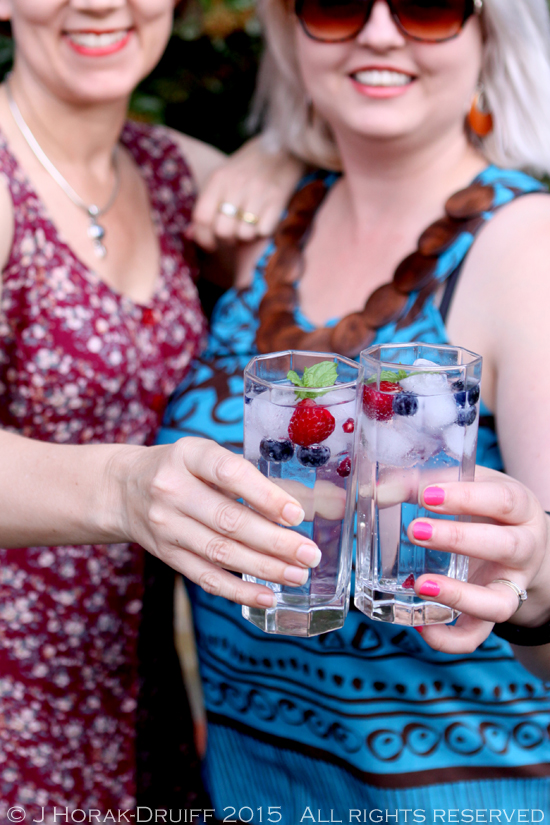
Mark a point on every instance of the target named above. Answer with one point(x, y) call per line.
point(101, 87)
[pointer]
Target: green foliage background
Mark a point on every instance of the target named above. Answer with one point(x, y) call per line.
point(204, 82)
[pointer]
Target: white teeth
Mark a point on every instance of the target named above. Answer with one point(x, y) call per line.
point(382, 77)
point(91, 40)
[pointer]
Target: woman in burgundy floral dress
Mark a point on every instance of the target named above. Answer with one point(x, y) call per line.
point(99, 320)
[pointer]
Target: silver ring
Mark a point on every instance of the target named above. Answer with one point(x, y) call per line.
point(228, 209)
point(521, 594)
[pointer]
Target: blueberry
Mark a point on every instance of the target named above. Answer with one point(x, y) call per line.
point(466, 416)
point(405, 403)
point(276, 451)
point(473, 395)
point(315, 456)
point(460, 396)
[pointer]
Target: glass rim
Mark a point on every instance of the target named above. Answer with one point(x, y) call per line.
point(389, 365)
point(329, 356)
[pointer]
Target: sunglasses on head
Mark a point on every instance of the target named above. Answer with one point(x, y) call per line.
point(430, 21)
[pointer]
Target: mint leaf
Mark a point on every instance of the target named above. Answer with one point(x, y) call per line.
point(389, 375)
point(323, 374)
point(294, 378)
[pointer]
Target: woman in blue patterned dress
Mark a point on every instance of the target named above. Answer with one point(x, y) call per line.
point(376, 717)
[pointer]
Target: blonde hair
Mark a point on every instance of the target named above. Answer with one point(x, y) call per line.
point(515, 76)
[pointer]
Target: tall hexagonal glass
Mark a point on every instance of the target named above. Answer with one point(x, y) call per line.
point(417, 421)
point(301, 438)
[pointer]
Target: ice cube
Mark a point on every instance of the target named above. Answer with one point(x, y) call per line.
point(269, 419)
point(454, 440)
point(340, 441)
point(336, 396)
point(398, 443)
point(470, 441)
point(435, 412)
point(264, 419)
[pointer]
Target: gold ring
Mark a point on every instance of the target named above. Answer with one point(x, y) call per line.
point(228, 209)
point(521, 594)
point(248, 217)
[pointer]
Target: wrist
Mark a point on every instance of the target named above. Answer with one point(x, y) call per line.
point(119, 477)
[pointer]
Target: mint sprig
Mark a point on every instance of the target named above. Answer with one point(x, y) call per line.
point(389, 375)
point(323, 374)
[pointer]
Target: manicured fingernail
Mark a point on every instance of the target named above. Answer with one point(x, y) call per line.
point(434, 495)
point(293, 514)
point(264, 600)
point(422, 531)
point(296, 575)
point(419, 629)
point(309, 554)
point(429, 588)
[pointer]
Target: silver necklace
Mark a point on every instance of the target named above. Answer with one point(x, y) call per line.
point(96, 232)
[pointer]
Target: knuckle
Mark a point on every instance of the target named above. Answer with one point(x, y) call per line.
point(278, 542)
point(211, 583)
point(227, 469)
point(518, 546)
point(156, 515)
point(218, 551)
point(502, 612)
point(513, 497)
point(228, 518)
point(455, 536)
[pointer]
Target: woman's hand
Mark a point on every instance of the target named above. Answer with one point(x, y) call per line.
point(243, 199)
point(179, 502)
point(509, 539)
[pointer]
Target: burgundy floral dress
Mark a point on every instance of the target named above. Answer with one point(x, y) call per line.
point(81, 364)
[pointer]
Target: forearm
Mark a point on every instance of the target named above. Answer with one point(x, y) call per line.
point(53, 494)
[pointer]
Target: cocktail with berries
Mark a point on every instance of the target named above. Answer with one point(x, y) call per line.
point(417, 422)
point(298, 430)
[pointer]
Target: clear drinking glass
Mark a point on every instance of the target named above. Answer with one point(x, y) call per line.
point(417, 421)
point(304, 444)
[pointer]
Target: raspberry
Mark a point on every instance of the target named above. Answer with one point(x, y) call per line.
point(344, 468)
point(310, 423)
point(348, 426)
point(378, 404)
point(409, 582)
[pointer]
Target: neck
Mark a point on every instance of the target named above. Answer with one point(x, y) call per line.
point(71, 135)
point(384, 177)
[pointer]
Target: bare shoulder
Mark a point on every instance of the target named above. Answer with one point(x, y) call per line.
point(503, 294)
point(6, 224)
point(202, 158)
point(518, 233)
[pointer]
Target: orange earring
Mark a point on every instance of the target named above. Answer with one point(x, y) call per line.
point(479, 118)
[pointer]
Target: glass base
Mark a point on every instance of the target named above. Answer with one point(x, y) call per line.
point(405, 610)
point(291, 622)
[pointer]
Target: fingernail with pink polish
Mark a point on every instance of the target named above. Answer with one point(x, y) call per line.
point(434, 496)
point(422, 531)
point(429, 588)
point(419, 629)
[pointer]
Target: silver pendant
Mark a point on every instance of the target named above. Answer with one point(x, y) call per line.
point(96, 232)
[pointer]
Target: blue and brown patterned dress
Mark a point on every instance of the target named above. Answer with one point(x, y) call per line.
point(368, 717)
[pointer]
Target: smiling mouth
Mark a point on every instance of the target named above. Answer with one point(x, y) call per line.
point(97, 40)
point(383, 78)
